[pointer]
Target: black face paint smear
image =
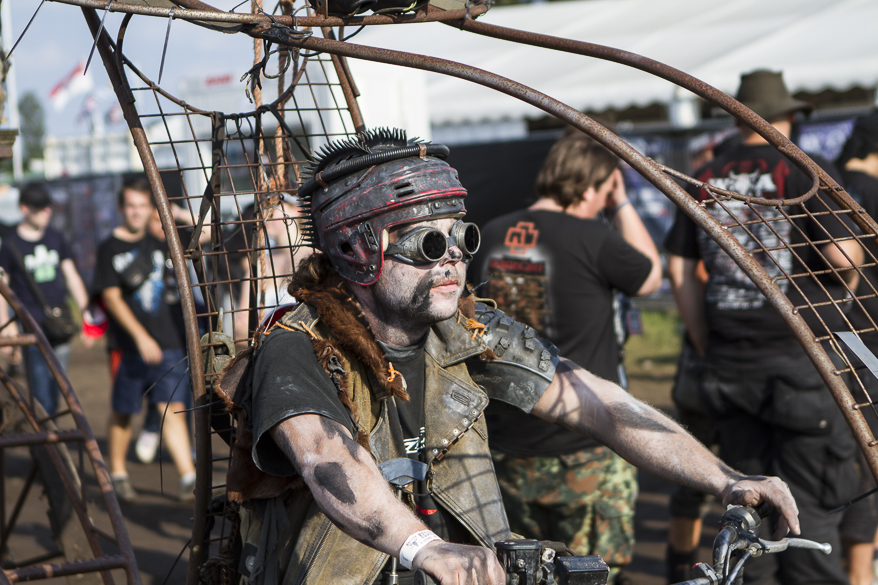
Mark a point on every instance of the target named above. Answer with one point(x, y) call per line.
point(334, 429)
point(332, 478)
point(625, 415)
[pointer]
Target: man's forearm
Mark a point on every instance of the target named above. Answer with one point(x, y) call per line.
point(345, 482)
point(642, 435)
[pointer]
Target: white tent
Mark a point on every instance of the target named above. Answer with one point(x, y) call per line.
point(818, 44)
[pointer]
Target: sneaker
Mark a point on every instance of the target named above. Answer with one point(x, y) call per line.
point(146, 447)
point(187, 488)
point(123, 489)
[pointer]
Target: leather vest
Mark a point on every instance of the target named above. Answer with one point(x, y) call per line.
point(461, 474)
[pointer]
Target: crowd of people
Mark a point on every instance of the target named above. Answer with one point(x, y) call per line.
point(393, 352)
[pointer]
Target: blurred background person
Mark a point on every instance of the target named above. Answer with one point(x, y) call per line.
point(555, 267)
point(134, 277)
point(41, 272)
point(858, 164)
point(752, 360)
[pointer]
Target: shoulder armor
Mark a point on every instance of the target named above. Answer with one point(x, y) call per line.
point(525, 364)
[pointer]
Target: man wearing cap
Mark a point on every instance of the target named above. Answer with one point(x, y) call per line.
point(43, 252)
point(751, 356)
point(371, 380)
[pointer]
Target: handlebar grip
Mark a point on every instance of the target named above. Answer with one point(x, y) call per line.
point(422, 577)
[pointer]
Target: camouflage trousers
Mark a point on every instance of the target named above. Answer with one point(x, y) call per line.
point(585, 499)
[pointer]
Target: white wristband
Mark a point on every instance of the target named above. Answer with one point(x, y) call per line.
point(412, 546)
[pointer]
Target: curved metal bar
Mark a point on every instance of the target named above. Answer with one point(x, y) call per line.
point(91, 448)
point(655, 175)
point(208, 13)
point(175, 248)
point(698, 87)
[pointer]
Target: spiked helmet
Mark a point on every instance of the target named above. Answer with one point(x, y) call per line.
point(357, 189)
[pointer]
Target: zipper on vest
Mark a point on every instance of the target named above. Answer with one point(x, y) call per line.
point(320, 542)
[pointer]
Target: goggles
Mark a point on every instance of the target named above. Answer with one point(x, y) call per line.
point(428, 245)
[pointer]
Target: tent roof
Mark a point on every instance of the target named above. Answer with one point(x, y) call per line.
point(818, 44)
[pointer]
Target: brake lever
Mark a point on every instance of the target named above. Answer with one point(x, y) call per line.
point(776, 546)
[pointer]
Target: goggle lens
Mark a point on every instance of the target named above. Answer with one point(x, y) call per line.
point(434, 245)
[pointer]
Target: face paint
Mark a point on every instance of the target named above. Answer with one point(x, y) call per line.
point(421, 295)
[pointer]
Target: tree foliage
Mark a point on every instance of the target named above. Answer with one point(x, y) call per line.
point(32, 130)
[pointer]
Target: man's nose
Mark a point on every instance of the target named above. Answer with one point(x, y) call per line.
point(454, 254)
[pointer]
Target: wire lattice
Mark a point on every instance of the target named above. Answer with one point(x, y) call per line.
point(232, 179)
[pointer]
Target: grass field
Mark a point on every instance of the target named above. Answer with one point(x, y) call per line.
point(651, 358)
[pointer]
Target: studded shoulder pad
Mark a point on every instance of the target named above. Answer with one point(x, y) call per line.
point(525, 364)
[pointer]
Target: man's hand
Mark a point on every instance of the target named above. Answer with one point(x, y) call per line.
point(149, 350)
point(459, 564)
point(618, 195)
point(755, 490)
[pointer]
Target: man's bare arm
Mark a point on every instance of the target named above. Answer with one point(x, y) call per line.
point(74, 283)
point(844, 255)
point(349, 488)
point(689, 296)
point(121, 313)
point(582, 402)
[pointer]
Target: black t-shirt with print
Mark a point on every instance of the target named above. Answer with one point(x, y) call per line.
point(741, 322)
point(556, 273)
point(43, 260)
point(155, 303)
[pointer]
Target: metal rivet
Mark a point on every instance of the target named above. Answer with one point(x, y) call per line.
point(250, 562)
point(455, 432)
point(437, 205)
point(520, 563)
point(444, 441)
point(372, 268)
point(474, 412)
point(435, 451)
point(465, 421)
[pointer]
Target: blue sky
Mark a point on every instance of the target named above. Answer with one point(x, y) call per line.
point(59, 38)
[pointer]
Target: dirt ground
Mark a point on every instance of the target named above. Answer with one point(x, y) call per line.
point(159, 526)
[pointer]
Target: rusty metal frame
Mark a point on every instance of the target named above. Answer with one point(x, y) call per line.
point(259, 26)
point(43, 434)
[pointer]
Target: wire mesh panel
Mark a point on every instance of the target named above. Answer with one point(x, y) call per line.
point(231, 180)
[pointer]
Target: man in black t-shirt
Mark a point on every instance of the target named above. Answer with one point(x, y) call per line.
point(751, 356)
point(134, 276)
point(36, 249)
point(322, 395)
point(556, 266)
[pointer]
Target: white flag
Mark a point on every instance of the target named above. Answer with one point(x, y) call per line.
point(74, 83)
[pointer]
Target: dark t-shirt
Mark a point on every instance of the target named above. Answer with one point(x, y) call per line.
point(43, 260)
point(864, 189)
point(556, 273)
point(155, 303)
point(741, 322)
point(289, 381)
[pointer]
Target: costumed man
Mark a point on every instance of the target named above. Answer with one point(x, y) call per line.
point(556, 266)
point(378, 362)
point(773, 413)
point(134, 277)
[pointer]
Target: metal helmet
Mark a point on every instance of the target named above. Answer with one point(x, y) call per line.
point(359, 188)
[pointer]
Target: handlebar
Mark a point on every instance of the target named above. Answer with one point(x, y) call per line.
point(738, 533)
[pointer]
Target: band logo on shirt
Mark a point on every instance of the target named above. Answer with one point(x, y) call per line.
point(42, 263)
point(416, 445)
point(521, 237)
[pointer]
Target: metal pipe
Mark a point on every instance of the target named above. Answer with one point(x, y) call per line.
point(71, 568)
point(215, 15)
point(175, 249)
point(41, 438)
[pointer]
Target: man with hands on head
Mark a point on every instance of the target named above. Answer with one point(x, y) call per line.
point(379, 363)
